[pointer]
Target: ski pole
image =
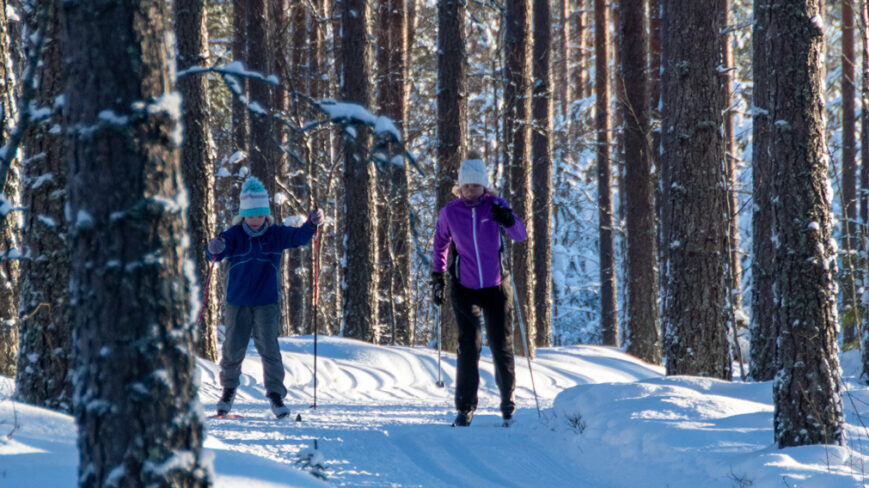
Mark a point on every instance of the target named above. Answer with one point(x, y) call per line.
point(518, 305)
point(437, 317)
point(205, 291)
point(315, 298)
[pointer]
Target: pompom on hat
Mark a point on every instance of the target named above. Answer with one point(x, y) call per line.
point(254, 199)
point(473, 170)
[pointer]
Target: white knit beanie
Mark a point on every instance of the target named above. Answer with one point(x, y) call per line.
point(473, 171)
point(254, 199)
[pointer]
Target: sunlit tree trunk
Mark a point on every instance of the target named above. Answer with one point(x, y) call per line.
point(695, 309)
point(807, 386)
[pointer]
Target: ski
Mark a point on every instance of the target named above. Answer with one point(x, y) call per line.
point(229, 416)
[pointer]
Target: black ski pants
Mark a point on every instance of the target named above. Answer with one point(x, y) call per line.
point(495, 303)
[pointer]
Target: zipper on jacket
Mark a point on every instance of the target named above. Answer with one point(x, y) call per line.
point(477, 249)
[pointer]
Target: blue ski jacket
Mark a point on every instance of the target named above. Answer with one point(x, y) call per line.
point(255, 262)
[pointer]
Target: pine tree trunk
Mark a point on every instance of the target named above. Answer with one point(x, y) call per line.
point(864, 174)
point(807, 387)
point(360, 220)
point(609, 307)
point(763, 365)
point(128, 240)
point(734, 277)
point(297, 71)
point(695, 298)
point(541, 157)
point(643, 327)
point(848, 282)
point(262, 137)
point(392, 102)
point(452, 124)
point(9, 238)
point(240, 121)
point(517, 144)
point(196, 158)
point(45, 360)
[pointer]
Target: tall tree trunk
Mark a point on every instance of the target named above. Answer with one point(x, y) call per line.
point(655, 121)
point(45, 360)
point(734, 277)
point(643, 327)
point(360, 220)
point(763, 347)
point(609, 316)
point(9, 238)
point(517, 144)
point(848, 282)
point(297, 71)
point(695, 298)
point(864, 170)
point(196, 157)
point(383, 174)
point(452, 122)
point(240, 122)
point(392, 102)
point(807, 387)
point(541, 157)
point(260, 59)
point(128, 240)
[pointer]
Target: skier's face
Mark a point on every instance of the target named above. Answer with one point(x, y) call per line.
point(472, 191)
point(255, 222)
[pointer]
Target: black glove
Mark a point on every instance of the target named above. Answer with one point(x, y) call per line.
point(437, 288)
point(502, 214)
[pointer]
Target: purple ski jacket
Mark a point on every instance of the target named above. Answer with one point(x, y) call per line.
point(470, 226)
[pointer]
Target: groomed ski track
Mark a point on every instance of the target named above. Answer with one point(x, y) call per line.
point(382, 421)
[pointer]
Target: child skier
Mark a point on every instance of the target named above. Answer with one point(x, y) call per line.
point(254, 246)
point(473, 224)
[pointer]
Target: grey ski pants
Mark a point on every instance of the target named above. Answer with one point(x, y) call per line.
point(261, 322)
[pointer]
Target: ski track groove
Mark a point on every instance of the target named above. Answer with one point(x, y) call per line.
point(384, 422)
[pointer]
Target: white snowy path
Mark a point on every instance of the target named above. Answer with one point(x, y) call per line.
point(382, 421)
point(609, 421)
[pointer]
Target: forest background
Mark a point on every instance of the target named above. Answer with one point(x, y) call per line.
point(690, 181)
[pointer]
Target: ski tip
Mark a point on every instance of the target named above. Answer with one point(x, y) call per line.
point(298, 417)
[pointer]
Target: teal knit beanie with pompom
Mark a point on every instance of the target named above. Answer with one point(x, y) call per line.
point(254, 199)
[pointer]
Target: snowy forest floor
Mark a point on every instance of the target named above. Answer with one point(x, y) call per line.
point(608, 420)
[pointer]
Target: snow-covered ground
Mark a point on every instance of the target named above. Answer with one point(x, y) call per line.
point(608, 420)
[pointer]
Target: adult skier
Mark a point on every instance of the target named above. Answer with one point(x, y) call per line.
point(254, 246)
point(473, 224)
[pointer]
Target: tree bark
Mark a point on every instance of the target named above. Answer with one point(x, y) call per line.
point(763, 347)
point(45, 360)
point(848, 282)
point(360, 220)
point(392, 97)
point(196, 158)
point(609, 316)
point(452, 123)
point(517, 144)
point(807, 387)
point(541, 157)
point(262, 137)
point(9, 238)
point(643, 327)
point(695, 297)
point(128, 242)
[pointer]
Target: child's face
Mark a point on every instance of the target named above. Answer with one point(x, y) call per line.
point(472, 191)
point(255, 222)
